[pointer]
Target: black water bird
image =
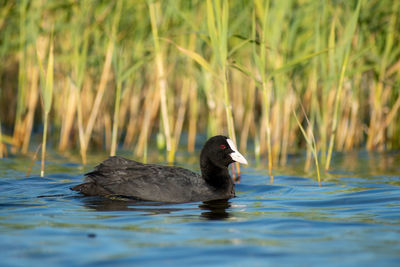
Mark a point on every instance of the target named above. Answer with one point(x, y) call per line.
point(118, 176)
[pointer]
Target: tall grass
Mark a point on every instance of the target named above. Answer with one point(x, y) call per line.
point(310, 142)
point(47, 95)
point(127, 71)
point(261, 13)
point(161, 82)
point(343, 55)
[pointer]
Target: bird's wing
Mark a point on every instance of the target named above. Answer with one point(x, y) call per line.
point(120, 176)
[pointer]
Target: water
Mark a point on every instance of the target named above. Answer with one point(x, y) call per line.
point(353, 219)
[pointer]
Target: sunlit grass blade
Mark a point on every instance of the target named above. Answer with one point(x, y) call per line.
point(290, 65)
point(345, 50)
point(310, 142)
point(162, 83)
point(336, 112)
point(47, 96)
point(376, 129)
point(23, 6)
point(116, 119)
point(195, 56)
point(261, 14)
point(218, 26)
point(79, 60)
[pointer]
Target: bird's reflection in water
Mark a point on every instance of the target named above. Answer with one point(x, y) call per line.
point(215, 209)
point(127, 204)
point(212, 210)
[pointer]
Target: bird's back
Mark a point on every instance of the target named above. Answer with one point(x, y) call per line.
point(120, 176)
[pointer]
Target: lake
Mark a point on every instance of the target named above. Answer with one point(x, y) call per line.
point(353, 219)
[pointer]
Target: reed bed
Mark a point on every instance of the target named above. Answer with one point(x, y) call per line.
point(128, 70)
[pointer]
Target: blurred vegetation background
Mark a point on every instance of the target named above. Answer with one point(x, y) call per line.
point(111, 74)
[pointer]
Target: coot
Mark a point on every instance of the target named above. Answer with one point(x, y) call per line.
point(118, 176)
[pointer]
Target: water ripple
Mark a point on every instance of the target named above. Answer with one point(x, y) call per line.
point(349, 221)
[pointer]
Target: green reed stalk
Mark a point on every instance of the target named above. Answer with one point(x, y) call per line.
point(105, 73)
point(81, 132)
point(312, 86)
point(116, 120)
point(343, 54)
point(218, 26)
point(150, 110)
point(310, 141)
point(121, 76)
point(79, 61)
point(21, 72)
point(376, 127)
point(162, 82)
point(47, 96)
point(328, 84)
point(193, 118)
point(3, 15)
point(114, 134)
point(100, 92)
point(336, 112)
point(261, 9)
point(187, 86)
point(79, 43)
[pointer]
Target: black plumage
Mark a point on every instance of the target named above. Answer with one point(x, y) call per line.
point(123, 177)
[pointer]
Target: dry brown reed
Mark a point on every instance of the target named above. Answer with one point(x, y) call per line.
point(241, 73)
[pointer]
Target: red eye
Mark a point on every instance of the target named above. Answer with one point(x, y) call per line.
point(222, 146)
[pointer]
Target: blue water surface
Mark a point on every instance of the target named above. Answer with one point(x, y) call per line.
point(353, 219)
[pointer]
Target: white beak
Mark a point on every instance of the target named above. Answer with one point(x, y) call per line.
point(235, 155)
